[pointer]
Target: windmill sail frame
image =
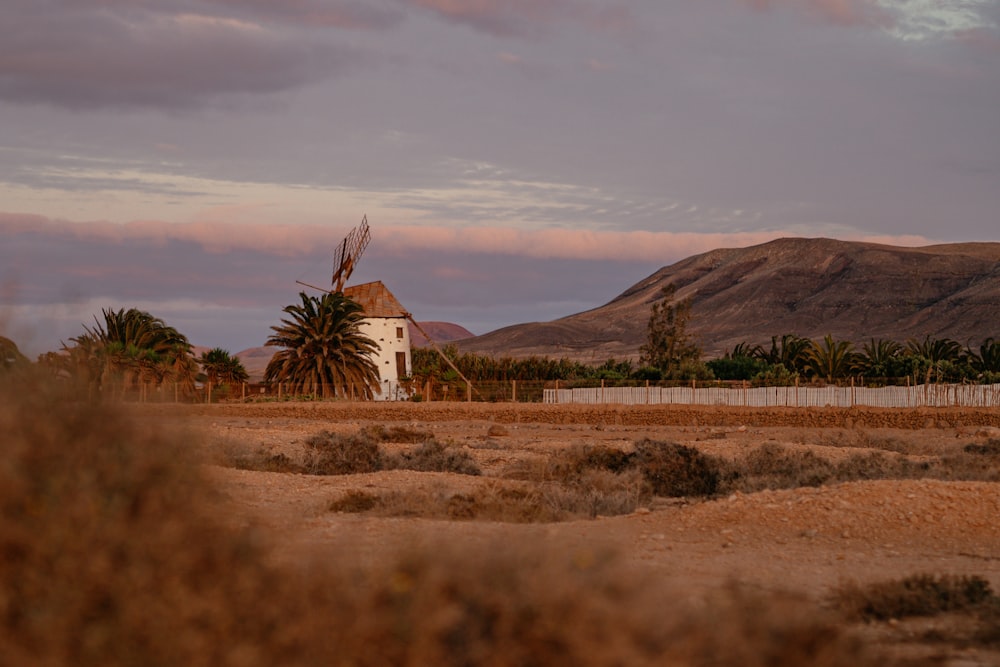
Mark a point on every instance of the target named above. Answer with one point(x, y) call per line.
point(348, 254)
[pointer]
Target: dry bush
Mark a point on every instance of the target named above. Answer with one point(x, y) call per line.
point(432, 456)
point(675, 470)
point(355, 501)
point(504, 605)
point(338, 454)
point(489, 502)
point(599, 493)
point(113, 556)
point(570, 464)
point(771, 466)
point(595, 493)
point(399, 434)
point(774, 467)
point(264, 461)
point(109, 557)
point(990, 448)
point(917, 595)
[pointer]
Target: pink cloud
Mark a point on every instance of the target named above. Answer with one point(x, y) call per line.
point(839, 12)
point(516, 17)
point(398, 240)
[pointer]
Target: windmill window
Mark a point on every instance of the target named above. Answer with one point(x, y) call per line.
point(399, 332)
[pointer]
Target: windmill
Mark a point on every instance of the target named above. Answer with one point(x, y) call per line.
point(346, 257)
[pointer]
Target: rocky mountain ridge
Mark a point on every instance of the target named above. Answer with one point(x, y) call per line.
point(805, 286)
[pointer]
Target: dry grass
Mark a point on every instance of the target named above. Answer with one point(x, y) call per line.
point(595, 493)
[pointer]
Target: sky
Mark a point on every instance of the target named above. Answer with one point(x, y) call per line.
point(517, 160)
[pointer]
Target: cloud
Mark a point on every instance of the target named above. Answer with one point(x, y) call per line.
point(839, 12)
point(507, 18)
point(909, 20)
point(399, 240)
point(172, 54)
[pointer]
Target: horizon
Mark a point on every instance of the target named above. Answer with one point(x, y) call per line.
point(517, 161)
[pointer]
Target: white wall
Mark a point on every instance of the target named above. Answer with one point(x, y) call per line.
point(385, 331)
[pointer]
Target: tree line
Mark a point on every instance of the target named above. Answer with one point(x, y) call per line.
point(322, 351)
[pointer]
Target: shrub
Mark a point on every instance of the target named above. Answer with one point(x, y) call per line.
point(433, 456)
point(677, 470)
point(572, 463)
point(401, 434)
point(355, 501)
point(991, 448)
point(335, 454)
point(918, 595)
point(263, 461)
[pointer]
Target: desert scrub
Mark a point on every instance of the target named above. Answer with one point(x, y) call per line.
point(400, 434)
point(675, 470)
point(917, 595)
point(114, 555)
point(432, 456)
point(338, 454)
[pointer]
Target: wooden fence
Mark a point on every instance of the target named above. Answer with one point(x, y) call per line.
point(919, 396)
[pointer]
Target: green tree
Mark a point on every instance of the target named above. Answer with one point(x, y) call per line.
point(220, 367)
point(830, 359)
point(130, 346)
point(881, 358)
point(987, 359)
point(935, 356)
point(790, 351)
point(668, 345)
point(323, 349)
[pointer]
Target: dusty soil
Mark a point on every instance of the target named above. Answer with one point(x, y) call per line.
point(807, 540)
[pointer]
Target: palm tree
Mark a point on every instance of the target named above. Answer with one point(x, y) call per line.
point(131, 345)
point(790, 351)
point(324, 348)
point(987, 360)
point(936, 353)
point(879, 357)
point(222, 368)
point(830, 359)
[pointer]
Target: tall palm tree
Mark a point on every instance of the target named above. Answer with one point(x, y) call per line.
point(323, 348)
point(222, 368)
point(830, 359)
point(131, 345)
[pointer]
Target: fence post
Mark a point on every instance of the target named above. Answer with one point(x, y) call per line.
point(513, 391)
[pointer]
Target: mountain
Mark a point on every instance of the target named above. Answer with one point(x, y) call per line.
point(440, 332)
point(808, 287)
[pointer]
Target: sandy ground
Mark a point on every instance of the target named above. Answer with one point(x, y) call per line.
point(806, 541)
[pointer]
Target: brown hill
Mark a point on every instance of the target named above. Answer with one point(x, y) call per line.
point(808, 287)
point(440, 332)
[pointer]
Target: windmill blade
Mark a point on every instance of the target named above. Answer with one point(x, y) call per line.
point(348, 254)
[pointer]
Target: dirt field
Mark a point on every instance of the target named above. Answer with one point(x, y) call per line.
point(807, 541)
